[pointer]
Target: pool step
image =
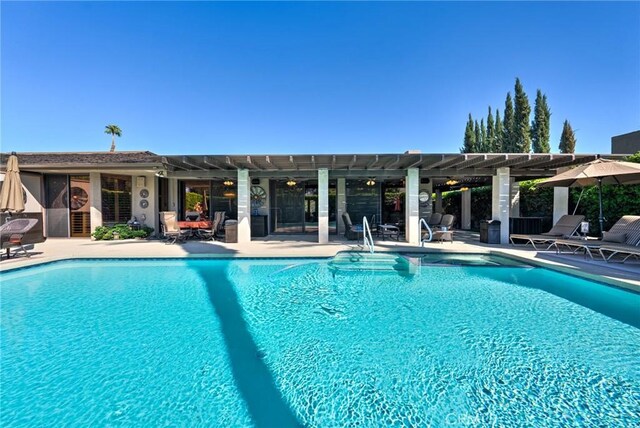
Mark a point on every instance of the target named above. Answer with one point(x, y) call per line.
point(379, 262)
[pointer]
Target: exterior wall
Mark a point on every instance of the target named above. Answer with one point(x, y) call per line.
point(626, 144)
point(148, 216)
point(33, 186)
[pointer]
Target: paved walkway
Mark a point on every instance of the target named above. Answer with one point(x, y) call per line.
point(626, 275)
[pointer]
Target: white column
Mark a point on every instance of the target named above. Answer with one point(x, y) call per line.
point(501, 195)
point(515, 197)
point(244, 207)
point(560, 202)
point(95, 195)
point(466, 209)
point(438, 200)
point(341, 204)
point(412, 207)
point(323, 206)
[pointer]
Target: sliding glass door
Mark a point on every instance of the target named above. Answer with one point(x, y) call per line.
point(294, 207)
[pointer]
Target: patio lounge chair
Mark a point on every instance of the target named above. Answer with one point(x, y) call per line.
point(609, 251)
point(625, 232)
point(629, 248)
point(444, 230)
point(565, 227)
point(351, 231)
point(170, 230)
point(434, 220)
point(12, 233)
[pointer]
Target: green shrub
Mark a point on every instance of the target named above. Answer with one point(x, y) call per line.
point(123, 231)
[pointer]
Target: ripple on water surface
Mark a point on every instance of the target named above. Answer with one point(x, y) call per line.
point(291, 342)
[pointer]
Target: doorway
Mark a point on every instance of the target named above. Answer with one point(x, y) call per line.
point(294, 206)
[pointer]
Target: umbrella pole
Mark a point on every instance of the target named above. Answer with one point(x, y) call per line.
point(578, 204)
point(601, 218)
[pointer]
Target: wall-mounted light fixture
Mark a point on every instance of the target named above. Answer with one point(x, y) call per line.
point(464, 188)
point(291, 182)
point(228, 182)
point(451, 182)
point(371, 182)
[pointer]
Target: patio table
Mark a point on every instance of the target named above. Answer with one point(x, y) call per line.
point(390, 230)
point(195, 226)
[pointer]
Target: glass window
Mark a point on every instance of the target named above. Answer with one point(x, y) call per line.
point(116, 198)
point(224, 197)
point(363, 200)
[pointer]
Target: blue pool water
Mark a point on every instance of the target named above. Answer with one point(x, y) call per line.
point(342, 342)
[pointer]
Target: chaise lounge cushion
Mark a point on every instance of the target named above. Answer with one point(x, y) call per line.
point(614, 237)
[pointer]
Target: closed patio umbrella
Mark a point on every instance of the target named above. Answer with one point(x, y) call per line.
point(597, 172)
point(11, 198)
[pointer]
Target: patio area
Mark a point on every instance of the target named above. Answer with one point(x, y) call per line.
point(625, 275)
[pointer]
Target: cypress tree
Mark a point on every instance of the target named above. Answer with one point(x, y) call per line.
point(545, 131)
point(508, 126)
point(497, 142)
point(567, 139)
point(469, 145)
point(479, 142)
point(491, 133)
point(540, 125)
point(482, 148)
point(522, 109)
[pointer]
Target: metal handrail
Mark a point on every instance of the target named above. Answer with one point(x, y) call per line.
point(367, 241)
point(424, 222)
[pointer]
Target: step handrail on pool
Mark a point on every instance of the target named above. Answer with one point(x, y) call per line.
point(367, 240)
point(424, 222)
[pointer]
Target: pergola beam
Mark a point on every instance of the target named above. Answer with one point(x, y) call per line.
point(187, 161)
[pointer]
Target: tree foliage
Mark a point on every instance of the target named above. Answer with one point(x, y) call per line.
point(115, 131)
point(469, 144)
point(514, 133)
point(540, 126)
point(491, 133)
point(497, 143)
point(508, 139)
point(522, 110)
point(476, 130)
point(567, 139)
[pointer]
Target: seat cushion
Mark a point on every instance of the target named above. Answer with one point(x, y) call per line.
point(614, 237)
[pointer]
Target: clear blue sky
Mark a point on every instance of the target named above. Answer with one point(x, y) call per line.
point(308, 77)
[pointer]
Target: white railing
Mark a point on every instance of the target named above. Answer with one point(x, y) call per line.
point(423, 222)
point(366, 234)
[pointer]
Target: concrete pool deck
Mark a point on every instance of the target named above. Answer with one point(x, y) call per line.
point(626, 275)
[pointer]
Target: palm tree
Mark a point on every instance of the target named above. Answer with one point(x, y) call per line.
point(114, 131)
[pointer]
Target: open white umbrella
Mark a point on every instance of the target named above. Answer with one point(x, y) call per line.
point(11, 198)
point(597, 172)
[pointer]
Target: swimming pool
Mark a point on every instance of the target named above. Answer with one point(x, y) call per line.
point(393, 341)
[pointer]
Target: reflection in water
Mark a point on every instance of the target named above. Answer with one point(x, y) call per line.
point(253, 379)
